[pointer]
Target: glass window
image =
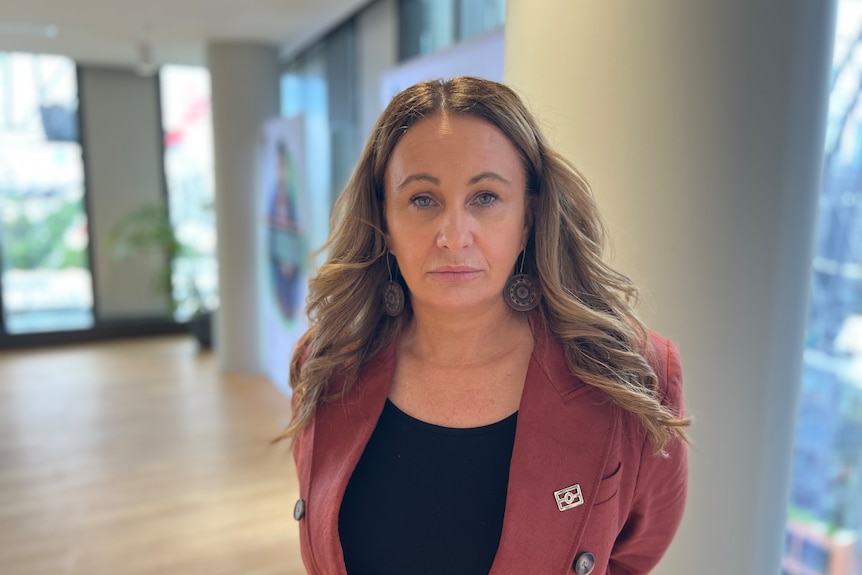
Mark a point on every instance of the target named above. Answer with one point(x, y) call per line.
point(477, 16)
point(427, 26)
point(46, 279)
point(342, 86)
point(321, 85)
point(304, 92)
point(826, 485)
point(188, 141)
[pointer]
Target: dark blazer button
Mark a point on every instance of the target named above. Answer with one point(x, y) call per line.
point(584, 563)
point(299, 509)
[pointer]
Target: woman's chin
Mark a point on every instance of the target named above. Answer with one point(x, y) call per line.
point(464, 306)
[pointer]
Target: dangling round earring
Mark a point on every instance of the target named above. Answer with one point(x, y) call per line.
point(393, 294)
point(521, 291)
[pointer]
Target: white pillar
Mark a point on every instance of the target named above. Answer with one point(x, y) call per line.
point(244, 95)
point(700, 126)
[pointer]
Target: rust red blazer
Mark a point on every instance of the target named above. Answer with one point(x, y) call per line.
point(568, 434)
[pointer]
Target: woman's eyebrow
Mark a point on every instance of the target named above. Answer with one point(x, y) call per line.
point(423, 177)
point(418, 177)
point(488, 176)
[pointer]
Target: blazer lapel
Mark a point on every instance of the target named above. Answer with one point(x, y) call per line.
point(562, 440)
point(337, 453)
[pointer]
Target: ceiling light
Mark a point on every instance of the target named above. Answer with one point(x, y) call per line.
point(145, 66)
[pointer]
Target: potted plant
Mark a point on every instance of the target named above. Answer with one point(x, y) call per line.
point(149, 228)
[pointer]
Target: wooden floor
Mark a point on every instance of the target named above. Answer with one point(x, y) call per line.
point(139, 457)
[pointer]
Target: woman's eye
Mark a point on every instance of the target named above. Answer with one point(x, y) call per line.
point(486, 198)
point(422, 202)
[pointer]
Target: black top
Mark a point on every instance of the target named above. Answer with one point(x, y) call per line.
point(426, 499)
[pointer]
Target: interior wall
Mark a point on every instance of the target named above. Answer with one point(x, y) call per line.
point(121, 129)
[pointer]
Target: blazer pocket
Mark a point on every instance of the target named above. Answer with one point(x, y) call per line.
point(609, 485)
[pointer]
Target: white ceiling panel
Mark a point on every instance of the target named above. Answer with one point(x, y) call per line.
point(176, 31)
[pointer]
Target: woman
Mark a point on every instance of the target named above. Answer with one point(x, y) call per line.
point(475, 393)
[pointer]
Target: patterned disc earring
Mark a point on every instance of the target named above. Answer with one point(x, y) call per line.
point(393, 294)
point(521, 291)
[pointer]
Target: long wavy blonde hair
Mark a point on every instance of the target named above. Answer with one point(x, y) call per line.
point(586, 304)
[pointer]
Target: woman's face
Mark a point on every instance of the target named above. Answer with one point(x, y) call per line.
point(456, 213)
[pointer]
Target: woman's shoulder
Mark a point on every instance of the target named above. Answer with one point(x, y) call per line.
point(663, 356)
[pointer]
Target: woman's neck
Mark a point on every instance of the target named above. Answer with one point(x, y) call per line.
point(456, 341)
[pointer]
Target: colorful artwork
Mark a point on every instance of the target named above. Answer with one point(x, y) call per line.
point(286, 237)
point(283, 259)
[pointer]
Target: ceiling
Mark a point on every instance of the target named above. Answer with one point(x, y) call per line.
point(122, 32)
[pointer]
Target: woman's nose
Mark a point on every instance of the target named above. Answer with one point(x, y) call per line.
point(455, 232)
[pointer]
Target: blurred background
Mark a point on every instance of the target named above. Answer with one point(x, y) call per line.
point(143, 148)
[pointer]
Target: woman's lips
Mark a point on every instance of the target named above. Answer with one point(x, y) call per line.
point(455, 273)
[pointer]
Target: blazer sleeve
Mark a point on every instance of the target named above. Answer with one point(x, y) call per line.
point(662, 484)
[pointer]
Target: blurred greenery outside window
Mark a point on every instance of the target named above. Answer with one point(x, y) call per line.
point(46, 280)
point(188, 142)
point(825, 513)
